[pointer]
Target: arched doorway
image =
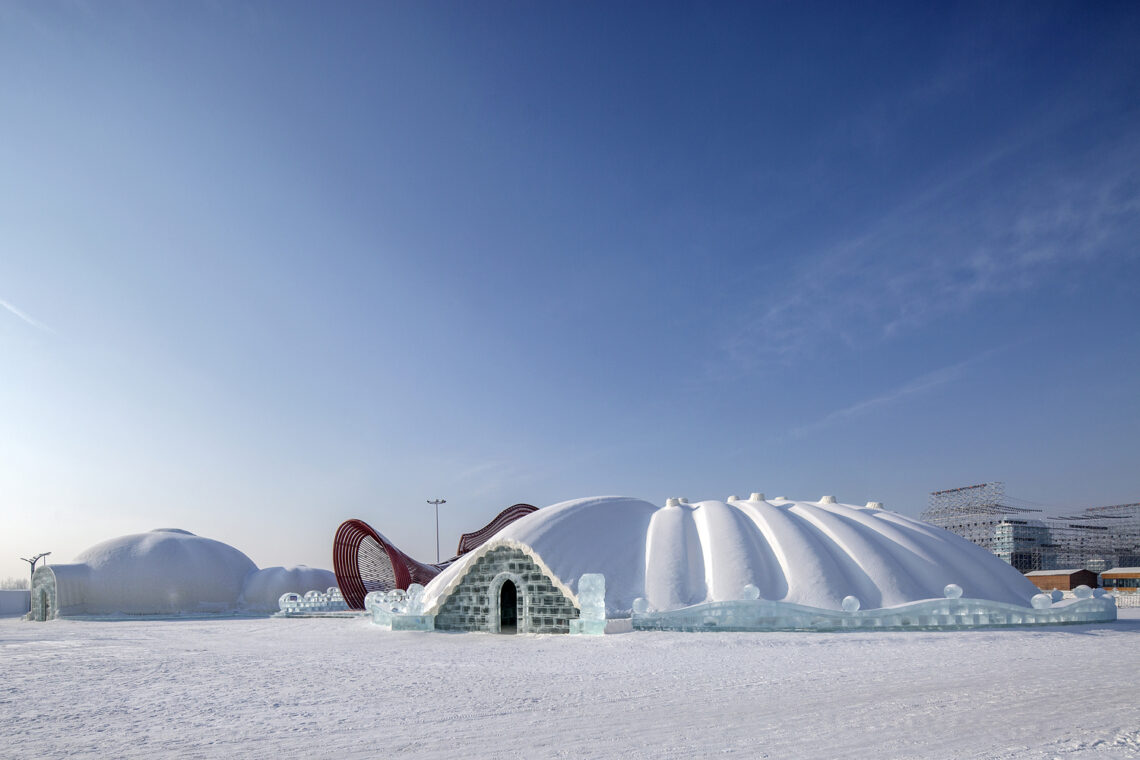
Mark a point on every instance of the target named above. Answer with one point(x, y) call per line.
point(508, 608)
point(43, 600)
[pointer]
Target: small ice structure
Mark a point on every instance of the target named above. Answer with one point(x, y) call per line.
point(592, 598)
point(264, 588)
point(312, 603)
point(399, 610)
point(952, 612)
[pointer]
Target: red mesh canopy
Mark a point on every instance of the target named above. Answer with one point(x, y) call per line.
point(474, 540)
point(365, 560)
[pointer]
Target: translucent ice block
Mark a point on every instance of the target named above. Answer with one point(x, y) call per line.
point(592, 601)
point(592, 596)
point(399, 610)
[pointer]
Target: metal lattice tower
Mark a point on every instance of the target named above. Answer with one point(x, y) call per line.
point(1095, 538)
point(980, 514)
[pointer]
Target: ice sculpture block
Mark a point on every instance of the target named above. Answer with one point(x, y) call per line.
point(592, 598)
point(399, 610)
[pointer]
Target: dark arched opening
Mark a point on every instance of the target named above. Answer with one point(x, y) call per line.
point(508, 608)
point(43, 605)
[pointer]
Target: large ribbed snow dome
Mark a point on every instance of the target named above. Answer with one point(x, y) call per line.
point(801, 552)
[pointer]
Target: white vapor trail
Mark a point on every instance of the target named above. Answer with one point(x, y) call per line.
point(30, 320)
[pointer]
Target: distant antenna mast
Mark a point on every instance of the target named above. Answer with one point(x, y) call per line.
point(437, 502)
point(35, 559)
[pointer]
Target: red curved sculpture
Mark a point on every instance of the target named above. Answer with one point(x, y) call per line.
point(364, 560)
point(474, 540)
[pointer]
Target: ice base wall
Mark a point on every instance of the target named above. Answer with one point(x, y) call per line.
point(933, 614)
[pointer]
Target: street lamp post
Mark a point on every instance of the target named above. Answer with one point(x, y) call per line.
point(34, 560)
point(437, 502)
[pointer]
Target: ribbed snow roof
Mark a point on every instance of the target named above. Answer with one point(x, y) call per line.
point(803, 552)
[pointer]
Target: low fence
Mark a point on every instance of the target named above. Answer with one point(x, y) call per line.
point(15, 601)
point(1124, 599)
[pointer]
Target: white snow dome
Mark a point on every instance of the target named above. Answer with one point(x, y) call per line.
point(813, 553)
point(163, 571)
point(263, 588)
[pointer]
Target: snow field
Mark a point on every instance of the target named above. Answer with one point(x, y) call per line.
point(271, 688)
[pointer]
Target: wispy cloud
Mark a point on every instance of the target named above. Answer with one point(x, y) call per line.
point(25, 317)
point(915, 387)
point(1006, 223)
point(489, 478)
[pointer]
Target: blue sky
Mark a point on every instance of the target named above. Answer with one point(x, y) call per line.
point(268, 266)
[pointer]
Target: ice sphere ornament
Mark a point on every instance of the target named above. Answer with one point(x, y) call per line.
point(640, 605)
point(851, 604)
point(749, 592)
point(1041, 601)
point(952, 591)
point(1057, 595)
point(1083, 592)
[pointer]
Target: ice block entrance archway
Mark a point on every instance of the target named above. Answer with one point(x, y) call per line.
point(508, 607)
point(469, 596)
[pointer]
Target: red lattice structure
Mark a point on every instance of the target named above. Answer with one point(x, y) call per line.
point(365, 560)
point(474, 540)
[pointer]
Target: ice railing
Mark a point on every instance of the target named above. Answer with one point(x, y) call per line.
point(1127, 598)
point(331, 600)
point(399, 610)
point(751, 613)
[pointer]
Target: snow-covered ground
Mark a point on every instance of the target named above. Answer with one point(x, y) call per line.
point(276, 688)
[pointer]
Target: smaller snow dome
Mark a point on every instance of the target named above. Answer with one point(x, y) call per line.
point(164, 571)
point(263, 588)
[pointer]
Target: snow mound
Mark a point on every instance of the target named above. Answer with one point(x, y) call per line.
point(163, 571)
point(800, 552)
point(169, 571)
point(263, 588)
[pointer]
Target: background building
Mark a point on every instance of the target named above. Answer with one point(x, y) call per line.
point(1062, 580)
point(1126, 579)
point(1018, 531)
